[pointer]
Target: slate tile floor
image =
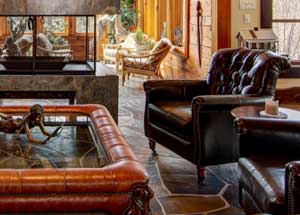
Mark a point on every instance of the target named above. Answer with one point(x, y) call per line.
point(172, 178)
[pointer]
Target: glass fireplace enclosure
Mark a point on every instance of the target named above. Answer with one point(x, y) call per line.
point(48, 44)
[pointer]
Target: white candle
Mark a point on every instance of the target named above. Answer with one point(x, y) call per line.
point(271, 107)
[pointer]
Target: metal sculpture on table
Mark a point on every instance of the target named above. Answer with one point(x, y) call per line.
point(33, 118)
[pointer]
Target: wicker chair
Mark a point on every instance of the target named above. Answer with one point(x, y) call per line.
point(58, 51)
point(111, 51)
point(145, 63)
point(45, 48)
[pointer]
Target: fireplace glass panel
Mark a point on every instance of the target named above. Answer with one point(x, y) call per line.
point(48, 44)
point(16, 43)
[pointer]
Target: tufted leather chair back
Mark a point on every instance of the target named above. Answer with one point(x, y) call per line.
point(245, 71)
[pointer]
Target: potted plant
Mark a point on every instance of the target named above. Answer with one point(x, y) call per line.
point(143, 42)
point(128, 14)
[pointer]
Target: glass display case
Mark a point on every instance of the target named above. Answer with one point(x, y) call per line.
point(48, 44)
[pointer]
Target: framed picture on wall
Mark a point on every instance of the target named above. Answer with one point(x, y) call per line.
point(247, 4)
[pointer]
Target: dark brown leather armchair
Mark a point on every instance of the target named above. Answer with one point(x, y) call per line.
point(192, 117)
point(269, 178)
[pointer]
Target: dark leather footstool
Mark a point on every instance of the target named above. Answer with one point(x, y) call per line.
point(261, 185)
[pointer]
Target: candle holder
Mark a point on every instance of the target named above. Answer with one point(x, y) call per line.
point(271, 107)
point(272, 110)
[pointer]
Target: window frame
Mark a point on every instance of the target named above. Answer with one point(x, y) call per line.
point(184, 49)
point(267, 22)
point(4, 30)
point(67, 27)
point(81, 33)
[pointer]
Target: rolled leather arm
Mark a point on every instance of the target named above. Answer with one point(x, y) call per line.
point(269, 137)
point(273, 125)
point(163, 90)
point(226, 102)
point(292, 186)
point(213, 127)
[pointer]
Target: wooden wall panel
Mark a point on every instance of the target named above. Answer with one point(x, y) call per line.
point(206, 36)
point(174, 6)
point(152, 15)
point(224, 24)
point(161, 15)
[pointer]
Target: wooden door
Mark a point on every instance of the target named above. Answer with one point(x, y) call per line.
point(224, 24)
point(152, 15)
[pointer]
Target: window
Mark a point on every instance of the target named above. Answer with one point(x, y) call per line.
point(56, 24)
point(176, 22)
point(286, 25)
point(81, 24)
point(18, 24)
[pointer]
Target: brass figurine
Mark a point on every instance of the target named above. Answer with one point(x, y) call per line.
point(34, 118)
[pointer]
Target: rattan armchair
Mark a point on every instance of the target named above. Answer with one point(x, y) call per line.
point(57, 51)
point(144, 63)
point(110, 52)
point(45, 48)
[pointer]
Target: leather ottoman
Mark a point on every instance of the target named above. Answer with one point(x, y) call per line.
point(119, 187)
point(262, 184)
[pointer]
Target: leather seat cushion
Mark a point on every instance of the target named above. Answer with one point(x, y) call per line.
point(263, 179)
point(174, 116)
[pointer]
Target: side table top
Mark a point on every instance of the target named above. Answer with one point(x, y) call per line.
point(253, 112)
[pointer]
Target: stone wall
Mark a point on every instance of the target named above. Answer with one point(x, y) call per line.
point(89, 89)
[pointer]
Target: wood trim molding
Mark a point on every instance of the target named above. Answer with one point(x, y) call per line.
point(266, 13)
point(186, 42)
point(224, 24)
point(184, 51)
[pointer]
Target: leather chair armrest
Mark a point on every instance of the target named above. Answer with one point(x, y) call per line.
point(164, 90)
point(246, 125)
point(268, 137)
point(213, 127)
point(292, 187)
point(226, 102)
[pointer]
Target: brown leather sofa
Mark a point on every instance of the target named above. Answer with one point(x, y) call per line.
point(121, 187)
point(192, 117)
point(269, 177)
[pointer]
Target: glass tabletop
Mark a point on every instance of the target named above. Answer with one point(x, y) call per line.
point(75, 146)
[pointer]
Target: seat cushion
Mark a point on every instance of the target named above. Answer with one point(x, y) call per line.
point(110, 52)
point(263, 179)
point(175, 117)
point(140, 63)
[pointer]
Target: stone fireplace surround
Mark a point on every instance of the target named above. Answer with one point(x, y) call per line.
point(102, 88)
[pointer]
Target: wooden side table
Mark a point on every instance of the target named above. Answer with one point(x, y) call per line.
point(253, 112)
